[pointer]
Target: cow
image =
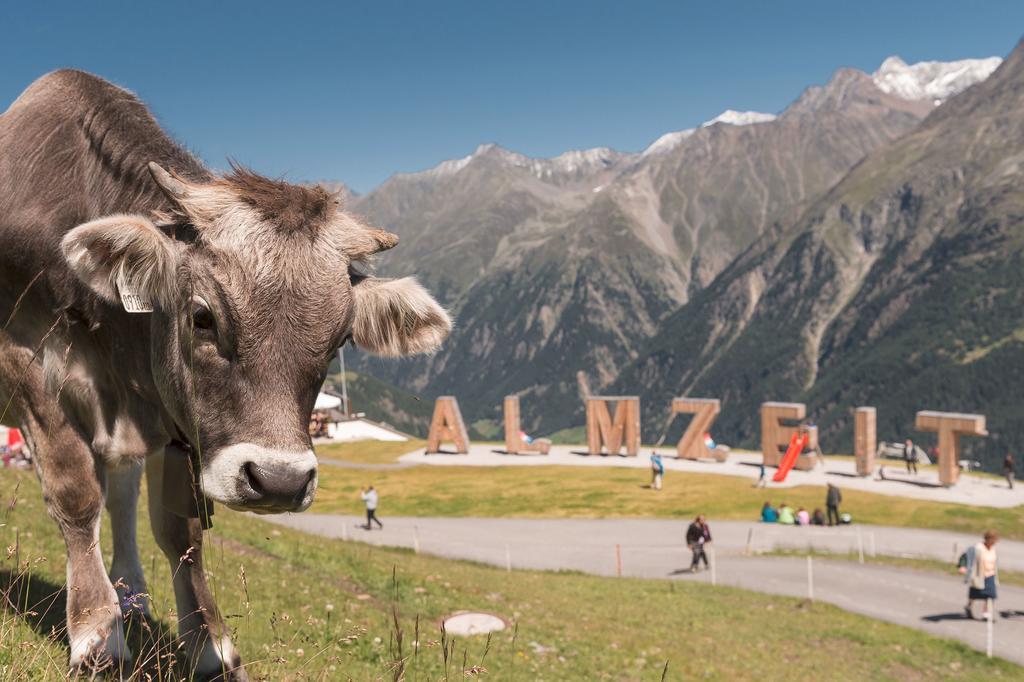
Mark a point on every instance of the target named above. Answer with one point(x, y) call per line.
point(155, 310)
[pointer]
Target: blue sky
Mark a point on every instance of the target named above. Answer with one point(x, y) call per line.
point(356, 91)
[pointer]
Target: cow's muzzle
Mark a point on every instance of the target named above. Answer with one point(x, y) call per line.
point(264, 480)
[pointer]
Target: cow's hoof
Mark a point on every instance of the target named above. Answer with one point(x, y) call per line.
point(101, 652)
point(227, 674)
point(219, 662)
point(234, 675)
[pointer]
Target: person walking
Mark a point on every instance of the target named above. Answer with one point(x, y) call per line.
point(657, 470)
point(697, 536)
point(833, 498)
point(910, 456)
point(762, 478)
point(1008, 470)
point(369, 496)
point(981, 573)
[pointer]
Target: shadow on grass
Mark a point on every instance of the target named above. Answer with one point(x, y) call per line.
point(38, 602)
point(42, 605)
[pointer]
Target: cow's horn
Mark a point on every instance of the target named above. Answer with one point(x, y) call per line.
point(172, 186)
point(385, 240)
point(367, 242)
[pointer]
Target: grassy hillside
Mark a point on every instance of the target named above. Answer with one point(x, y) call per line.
point(305, 608)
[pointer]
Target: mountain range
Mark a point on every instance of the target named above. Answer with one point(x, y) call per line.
point(735, 259)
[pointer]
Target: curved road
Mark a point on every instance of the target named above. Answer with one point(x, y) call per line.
point(925, 600)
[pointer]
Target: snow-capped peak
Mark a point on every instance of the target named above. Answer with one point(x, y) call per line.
point(568, 163)
point(452, 166)
point(739, 118)
point(931, 80)
point(670, 141)
point(667, 142)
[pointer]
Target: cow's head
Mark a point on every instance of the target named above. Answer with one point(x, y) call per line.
point(248, 311)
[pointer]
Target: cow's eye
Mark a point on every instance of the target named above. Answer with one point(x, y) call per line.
point(202, 318)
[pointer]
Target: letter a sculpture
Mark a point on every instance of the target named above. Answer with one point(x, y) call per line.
point(447, 427)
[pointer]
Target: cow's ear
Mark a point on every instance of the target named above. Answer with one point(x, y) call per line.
point(123, 254)
point(395, 317)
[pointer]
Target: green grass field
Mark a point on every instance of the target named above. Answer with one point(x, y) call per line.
point(368, 451)
point(315, 609)
point(606, 492)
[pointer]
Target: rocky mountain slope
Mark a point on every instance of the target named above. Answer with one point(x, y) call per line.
point(901, 287)
point(570, 265)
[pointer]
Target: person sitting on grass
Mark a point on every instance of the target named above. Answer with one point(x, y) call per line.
point(802, 517)
point(818, 518)
point(786, 515)
point(768, 513)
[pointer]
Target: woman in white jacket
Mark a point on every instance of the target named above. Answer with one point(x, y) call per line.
point(981, 573)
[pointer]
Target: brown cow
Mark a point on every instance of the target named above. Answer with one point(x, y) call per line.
point(153, 307)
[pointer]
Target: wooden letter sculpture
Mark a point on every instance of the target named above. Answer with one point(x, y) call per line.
point(513, 439)
point(865, 439)
point(447, 426)
point(613, 434)
point(704, 411)
point(950, 426)
point(775, 435)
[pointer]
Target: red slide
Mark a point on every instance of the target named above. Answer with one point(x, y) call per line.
point(796, 445)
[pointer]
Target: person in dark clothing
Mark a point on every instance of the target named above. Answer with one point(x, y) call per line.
point(910, 456)
point(817, 518)
point(832, 500)
point(1008, 470)
point(697, 536)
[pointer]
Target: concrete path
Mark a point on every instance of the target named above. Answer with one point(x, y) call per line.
point(981, 491)
point(925, 600)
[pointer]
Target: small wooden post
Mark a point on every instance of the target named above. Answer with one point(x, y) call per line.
point(865, 439)
point(623, 430)
point(950, 426)
point(988, 628)
point(775, 435)
point(447, 426)
point(704, 411)
point(618, 560)
point(810, 578)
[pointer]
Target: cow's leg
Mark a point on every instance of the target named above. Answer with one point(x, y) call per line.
point(123, 504)
point(74, 498)
point(204, 633)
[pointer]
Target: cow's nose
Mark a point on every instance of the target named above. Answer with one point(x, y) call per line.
point(278, 487)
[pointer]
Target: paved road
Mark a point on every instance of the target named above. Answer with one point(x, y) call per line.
point(925, 600)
